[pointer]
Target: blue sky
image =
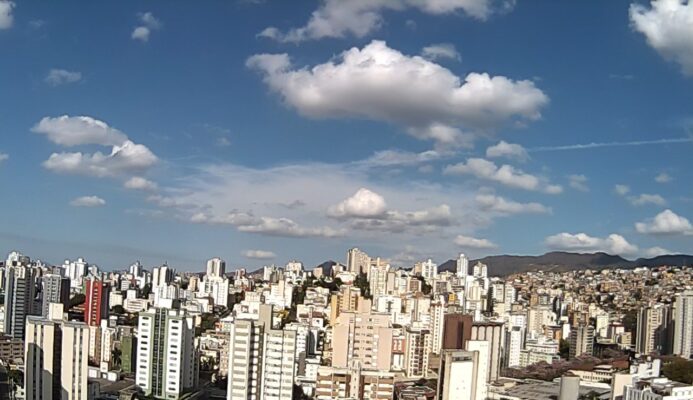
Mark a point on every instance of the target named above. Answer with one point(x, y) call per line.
point(264, 131)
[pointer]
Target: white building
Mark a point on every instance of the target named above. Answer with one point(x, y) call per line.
point(458, 375)
point(55, 355)
point(683, 324)
point(167, 362)
point(261, 359)
point(216, 267)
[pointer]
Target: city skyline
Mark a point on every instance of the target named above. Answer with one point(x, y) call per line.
point(263, 132)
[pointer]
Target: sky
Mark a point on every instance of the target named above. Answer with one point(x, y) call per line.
point(267, 131)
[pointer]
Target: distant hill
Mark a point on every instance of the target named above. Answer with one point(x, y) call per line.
point(563, 261)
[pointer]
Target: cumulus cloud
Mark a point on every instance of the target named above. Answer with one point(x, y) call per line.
point(341, 18)
point(259, 254)
point(88, 201)
point(148, 23)
point(57, 77)
point(367, 210)
point(578, 182)
point(363, 204)
point(74, 131)
point(668, 28)
point(663, 178)
point(441, 51)
point(6, 18)
point(507, 150)
point(140, 183)
point(641, 199)
point(505, 174)
point(380, 83)
point(612, 244)
point(4, 157)
point(125, 158)
point(621, 190)
point(498, 204)
point(645, 198)
point(665, 223)
point(474, 243)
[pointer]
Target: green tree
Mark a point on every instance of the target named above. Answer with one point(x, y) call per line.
point(679, 369)
point(361, 282)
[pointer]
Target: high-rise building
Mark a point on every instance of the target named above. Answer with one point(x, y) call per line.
point(456, 331)
point(162, 276)
point(654, 330)
point(514, 343)
point(683, 324)
point(458, 375)
point(216, 267)
point(462, 266)
point(429, 269)
point(96, 301)
point(581, 341)
point(167, 360)
point(261, 359)
point(362, 336)
point(20, 294)
point(358, 261)
point(491, 332)
point(55, 357)
point(416, 356)
point(56, 289)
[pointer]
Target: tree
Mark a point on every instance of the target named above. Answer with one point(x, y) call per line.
point(118, 309)
point(361, 282)
point(679, 369)
point(564, 349)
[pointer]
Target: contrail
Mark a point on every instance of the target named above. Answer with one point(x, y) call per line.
point(611, 144)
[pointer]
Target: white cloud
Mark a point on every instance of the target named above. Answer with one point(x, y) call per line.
point(441, 51)
point(240, 196)
point(578, 182)
point(665, 223)
point(474, 243)
point(57, 77)
point(363, 204)
point(149, 23)
point(367, 210)
point(505, 174)
point(6, 18)
point(123, 160)
point(74, 131)
point(269, 226)
point(382, 84)
point(391, 158)
point(141, 33)
point(125, 157)
point(645, 198)
point(498, 204)
point(621, 190)
point(668, 28)
point(508, 150)
point(4, 157)
point(663, 178)
point(612, 244)
point(656, 251)
point(140, 183)
point(341, 18)
point(88, 201)
point(259, 254)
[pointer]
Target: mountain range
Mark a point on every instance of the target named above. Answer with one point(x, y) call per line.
point(560, 261)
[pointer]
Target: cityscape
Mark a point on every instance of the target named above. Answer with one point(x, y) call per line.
point(346, 200)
